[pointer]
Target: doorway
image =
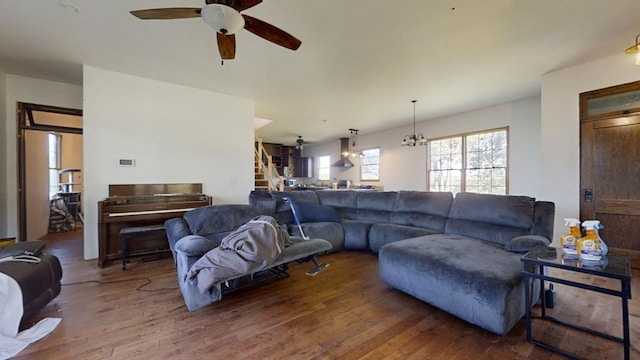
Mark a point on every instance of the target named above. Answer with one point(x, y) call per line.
point(43, 129)
point(610, 166)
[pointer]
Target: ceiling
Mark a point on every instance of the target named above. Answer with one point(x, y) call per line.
point(360, 64)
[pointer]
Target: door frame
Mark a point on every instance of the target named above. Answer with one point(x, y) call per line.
point(26, 122)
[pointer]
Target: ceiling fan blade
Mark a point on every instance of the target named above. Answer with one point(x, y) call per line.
point(227, 46)
point(166, 13)
point(239, 5)
point(271, 33)
point(245, 4)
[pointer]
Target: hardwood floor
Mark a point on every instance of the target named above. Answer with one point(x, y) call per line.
point(345, 312)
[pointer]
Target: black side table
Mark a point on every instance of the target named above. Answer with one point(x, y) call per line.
point(612, 266)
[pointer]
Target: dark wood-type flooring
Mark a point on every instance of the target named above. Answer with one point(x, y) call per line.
point(345, 312)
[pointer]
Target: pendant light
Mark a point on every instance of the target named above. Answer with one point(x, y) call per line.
point(413, 139)
point(353, 150)
point(635, 49)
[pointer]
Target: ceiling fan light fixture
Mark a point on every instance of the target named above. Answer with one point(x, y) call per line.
point(222, 18)
point(635, 49)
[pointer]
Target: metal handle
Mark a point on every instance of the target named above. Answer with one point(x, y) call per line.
point(588, 195)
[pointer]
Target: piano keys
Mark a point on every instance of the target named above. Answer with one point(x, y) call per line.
point(135, 205)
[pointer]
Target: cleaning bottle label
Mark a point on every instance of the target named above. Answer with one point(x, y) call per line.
point(569, 244)
point(569, 241)
point(590, 249)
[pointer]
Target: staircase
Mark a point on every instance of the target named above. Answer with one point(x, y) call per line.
point(261, 181)
point(266, 174)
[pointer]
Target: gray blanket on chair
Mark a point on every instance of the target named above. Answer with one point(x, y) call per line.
point(252, 247)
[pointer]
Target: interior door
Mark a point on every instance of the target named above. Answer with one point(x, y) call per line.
point(610, 179)
point(32, 119)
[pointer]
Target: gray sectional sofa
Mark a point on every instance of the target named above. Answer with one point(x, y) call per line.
point(459, 254)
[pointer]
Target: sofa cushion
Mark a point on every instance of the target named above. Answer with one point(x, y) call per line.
point(308, 212)
point(495, 218)
point(214, 219)
point(507, 210)
point(523, 244)
point(375, 205)
point(345, 202)
point(356, 234)
point(382, 234)
point(475, 280)
point(283, 210)
point(422, 209)
point(330, 231)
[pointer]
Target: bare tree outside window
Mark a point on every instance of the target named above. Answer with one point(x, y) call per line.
point(370, 165)
point(445, 164)
point(472, 162)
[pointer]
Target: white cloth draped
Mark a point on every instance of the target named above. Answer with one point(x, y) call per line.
point(12, 341)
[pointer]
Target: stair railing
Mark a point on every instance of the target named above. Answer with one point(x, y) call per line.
point(268, 168)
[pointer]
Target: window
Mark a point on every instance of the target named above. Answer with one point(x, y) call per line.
point(370, 165)
point(54, 164)
point(472, 162)
point(324, 167)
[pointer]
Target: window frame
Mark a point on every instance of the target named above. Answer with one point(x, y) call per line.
point(328, 167)
point(362, 164)
point(57, 160)
point(464, 168)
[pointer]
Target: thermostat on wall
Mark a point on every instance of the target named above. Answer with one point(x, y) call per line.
point(127, 162)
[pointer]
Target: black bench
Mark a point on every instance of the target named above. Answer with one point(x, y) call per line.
point(127, 233)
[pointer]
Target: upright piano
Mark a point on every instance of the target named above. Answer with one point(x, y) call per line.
point(133, 205)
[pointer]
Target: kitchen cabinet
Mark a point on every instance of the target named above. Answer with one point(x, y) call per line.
point(275, 151)
point(303, 167)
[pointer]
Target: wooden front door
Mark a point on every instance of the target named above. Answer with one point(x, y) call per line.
point(610, 169)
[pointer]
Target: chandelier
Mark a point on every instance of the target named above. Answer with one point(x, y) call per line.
point(413, 139)
point(353, 149)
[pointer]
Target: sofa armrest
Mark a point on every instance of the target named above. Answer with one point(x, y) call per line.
point(522, 244)
point(188, 250)
point(176, 229)
point(194, 246)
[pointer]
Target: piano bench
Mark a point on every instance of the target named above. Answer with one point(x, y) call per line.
point(127, 233)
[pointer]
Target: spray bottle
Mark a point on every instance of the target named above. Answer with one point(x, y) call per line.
point(569, 241)
point(591, 246)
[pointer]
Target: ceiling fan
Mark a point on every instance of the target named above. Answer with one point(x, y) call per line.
point(225, 18)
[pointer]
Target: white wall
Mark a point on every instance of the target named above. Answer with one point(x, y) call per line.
point(560, 127)
point(37, 184)
point(4, 225)
point(404, 168)
point(176, 134)
point(30, 90)
point(37, 176)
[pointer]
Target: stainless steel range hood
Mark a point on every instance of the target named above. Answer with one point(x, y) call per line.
point(344, 161)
